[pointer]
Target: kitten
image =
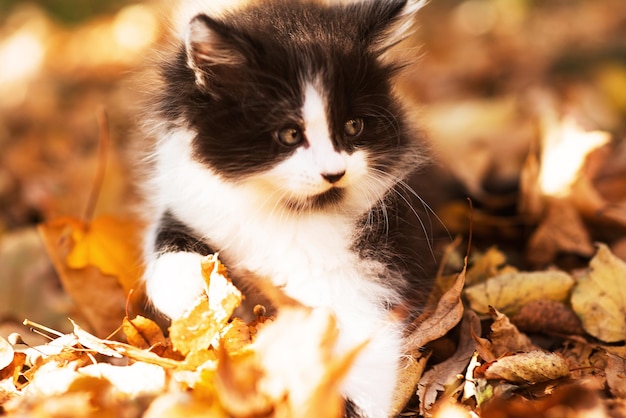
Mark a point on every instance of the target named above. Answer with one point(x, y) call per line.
point(282, 145)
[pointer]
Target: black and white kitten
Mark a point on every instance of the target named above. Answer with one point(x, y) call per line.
point(282, 145)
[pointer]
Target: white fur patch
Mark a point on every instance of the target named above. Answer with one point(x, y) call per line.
point(175, 282)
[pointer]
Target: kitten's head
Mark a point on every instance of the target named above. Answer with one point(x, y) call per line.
point(295, 98)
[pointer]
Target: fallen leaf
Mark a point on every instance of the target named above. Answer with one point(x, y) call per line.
point(487, 265)
point(533, 367)
point(561, 231)
point(509, 292)
point(587, 363)
point(410, 373)
point(235, 336)
point(100, 297)
point(505, 337)
point(599, 297)
point(548, 317)
point(434, 381)
point(224, 297)
point(616, 375)
point(142, 332)
point(568, 401)
point(198, 328)
point(436, 324)
point(110, 244)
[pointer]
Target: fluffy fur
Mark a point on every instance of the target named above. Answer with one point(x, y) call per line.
point(282, 145)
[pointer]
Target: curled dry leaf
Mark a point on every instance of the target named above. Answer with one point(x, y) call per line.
point(533, 367)
point(447, 314)
point(509, 292)
point(599, 297)
point(505, 337)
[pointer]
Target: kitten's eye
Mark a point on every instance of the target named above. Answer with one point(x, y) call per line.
point(353, 127)
point(289, 136)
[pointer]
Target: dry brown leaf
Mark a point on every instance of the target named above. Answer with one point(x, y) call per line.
point(505, 337)
point(599, 297)
point(548, 317)
point(509, 292)
point(447, 314)
point(410, 373)
point(586, 362)
point(561, 231)
point(616, 375)
point(532, 367)
point(435, 380)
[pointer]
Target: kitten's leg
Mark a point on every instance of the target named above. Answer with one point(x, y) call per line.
point(173, 273)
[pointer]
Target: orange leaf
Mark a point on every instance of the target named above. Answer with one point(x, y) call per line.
point(111, 244)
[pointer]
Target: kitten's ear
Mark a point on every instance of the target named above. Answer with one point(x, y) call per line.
point(390, 22)
point(210, 46)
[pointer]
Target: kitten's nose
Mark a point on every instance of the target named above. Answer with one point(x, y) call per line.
point(333, 177)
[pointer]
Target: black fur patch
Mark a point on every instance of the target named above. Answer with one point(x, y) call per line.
point(174, 236)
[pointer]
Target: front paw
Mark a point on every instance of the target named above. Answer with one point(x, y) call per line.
point(174, 282)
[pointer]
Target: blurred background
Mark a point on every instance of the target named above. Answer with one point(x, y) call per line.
point(487, 74)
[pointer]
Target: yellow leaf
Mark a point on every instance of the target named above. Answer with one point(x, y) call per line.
point(143, 332)
point(599, 297)
point(509, 292)
point(100, 291)
point(224, 297)
point(112, 245)
point(198, 328)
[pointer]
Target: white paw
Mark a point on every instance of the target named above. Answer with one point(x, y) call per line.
point(174, 282)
